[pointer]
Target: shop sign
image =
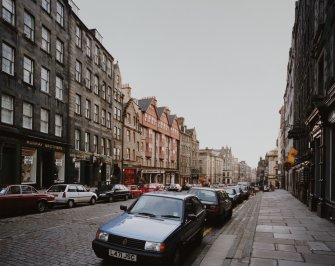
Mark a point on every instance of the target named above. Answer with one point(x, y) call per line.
point(28, 159)
point(59, 162)
point(45, 145)
point(153, 171)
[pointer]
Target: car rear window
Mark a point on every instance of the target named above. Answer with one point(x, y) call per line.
point(204, 195)
point(57, 188)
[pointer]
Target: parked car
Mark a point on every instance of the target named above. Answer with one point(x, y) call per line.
point(238, 192)
point(72, 194)
point(174, 187)
point(134, 191)
point(149, 187)
point(233, 197)
point(153, 230)
point(216, 202)
point(111, 192)
point(23, 197)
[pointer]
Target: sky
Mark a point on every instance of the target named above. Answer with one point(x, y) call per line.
point(220, 64)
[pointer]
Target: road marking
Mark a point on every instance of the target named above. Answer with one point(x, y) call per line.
point(207, 231)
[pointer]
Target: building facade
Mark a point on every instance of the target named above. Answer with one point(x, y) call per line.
point(195, 171)
point(160, 141)
point(34, 92)
point(132, 151)
point(90, 105)
point(211, 166)
point(313, 175)
point(228, 163)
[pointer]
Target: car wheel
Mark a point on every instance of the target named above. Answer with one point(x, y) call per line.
point(93, 201)
point(70, 203)
point(199, 236)
point(126, 197)
point(176, 259)
point(41, 206)
point(110, 199)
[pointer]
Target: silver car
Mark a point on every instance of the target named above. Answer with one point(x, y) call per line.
point(71, 194)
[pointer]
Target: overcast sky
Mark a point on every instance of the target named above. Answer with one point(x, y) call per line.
point(221, 64)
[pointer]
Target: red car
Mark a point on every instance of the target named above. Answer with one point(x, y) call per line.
point(151, 187)
point(134, 191)
point(23, 197)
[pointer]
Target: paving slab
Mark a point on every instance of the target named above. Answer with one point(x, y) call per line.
point(262, 262)
point(295, 263)
point(317, 246)
point(293, 236)
point(265, 246)
point(321, 259)
point(269, 254)
point(284, 247)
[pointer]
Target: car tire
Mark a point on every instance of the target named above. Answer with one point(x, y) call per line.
point(41, 206)
point(199, 236)
point(110, 199)
point(176, 257)
point(70, 204)
point(93, 200)
point(126, 197)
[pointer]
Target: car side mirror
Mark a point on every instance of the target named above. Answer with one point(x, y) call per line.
point(191, 216)
point(123, 207)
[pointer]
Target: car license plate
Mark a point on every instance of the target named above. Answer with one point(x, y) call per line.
point(122, 255)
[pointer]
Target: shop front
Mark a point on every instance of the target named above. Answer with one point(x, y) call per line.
point(153, 176)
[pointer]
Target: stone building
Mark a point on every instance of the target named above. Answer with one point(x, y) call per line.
point(228, 159)
point(90, 106)
point(34, 84)
point(313, 130)
point(194, 156)
point(132, 146)
point(271, 159)
point(160, 138)
point(211, 166)
point(118, 130)
point(185, 154)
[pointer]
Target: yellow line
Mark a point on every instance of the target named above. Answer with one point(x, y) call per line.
point(207, 231)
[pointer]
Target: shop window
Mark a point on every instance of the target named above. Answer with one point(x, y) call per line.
point(59, 175)
point(28, 165)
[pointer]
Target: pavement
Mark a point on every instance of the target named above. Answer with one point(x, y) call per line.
point(276, 229)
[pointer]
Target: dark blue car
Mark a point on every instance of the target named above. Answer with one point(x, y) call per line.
point(153, 230)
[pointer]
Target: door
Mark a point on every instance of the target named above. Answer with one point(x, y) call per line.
point(83, 194)
point(47, 168)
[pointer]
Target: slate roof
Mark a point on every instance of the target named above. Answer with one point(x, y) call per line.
point(171, 119)
point(144, 104)
point(160, 111)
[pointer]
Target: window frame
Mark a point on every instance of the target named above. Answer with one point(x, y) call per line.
point(8, 109)
point(10, 13)
point(27, 117)
point(30, 71)
point(45, 81)
point(59, 89)
point(60, 15)
point(10, 61)
point(45, 39)
point(44, 123)
point(29, 30)
point(58, 127)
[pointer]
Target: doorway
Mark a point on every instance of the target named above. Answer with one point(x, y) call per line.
point(46, 169)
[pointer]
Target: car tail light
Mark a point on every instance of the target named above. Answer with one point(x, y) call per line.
point(64, 194)
point(214, 208)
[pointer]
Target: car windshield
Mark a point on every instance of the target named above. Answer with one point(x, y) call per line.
point(156, 206)
point(229, 191)
point(204, 195)
point(57, 188)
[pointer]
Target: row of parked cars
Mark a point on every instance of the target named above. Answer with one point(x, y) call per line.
point(26, 197)
point(159, 224)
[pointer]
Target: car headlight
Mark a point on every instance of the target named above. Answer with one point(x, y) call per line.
point(102, 236)
point(154, 246)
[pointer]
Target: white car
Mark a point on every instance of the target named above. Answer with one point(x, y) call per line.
point(71, 194)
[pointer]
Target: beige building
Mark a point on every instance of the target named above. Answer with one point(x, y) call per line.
point(272, 163)
point(185, 154)
point(211, 166)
